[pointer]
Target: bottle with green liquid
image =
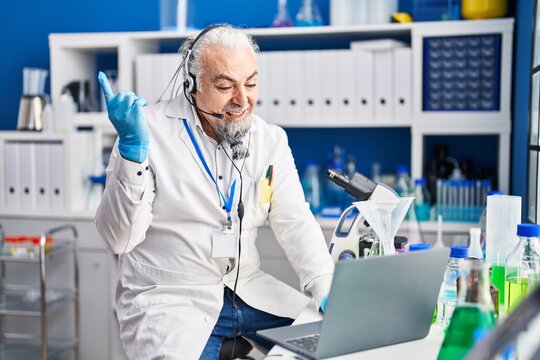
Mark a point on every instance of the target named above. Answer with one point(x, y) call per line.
point(474, 313)
point(522, 266)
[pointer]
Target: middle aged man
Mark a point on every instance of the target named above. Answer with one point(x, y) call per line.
point(188, 179)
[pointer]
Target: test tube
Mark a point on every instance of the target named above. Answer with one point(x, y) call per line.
point(439, 197)
point(452, 199)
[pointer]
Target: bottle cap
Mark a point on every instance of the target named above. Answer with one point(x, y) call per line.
point(418, 247)
point(528, 230)
point(420, 181)
point(459, 252)
point(402, 169)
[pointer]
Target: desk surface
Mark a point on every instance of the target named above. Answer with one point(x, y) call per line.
point(426, 348)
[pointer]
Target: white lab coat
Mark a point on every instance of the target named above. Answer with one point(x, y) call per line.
point(159, 217)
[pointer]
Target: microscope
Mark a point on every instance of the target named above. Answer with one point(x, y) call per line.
point(353, 236)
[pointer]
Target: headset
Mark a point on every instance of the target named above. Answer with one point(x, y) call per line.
point(190, 83)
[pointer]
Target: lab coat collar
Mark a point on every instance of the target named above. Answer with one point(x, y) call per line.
point(180, 109)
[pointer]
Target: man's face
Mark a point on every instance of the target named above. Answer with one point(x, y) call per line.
point(229, 87)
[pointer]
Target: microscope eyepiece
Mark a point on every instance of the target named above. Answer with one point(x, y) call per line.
point(359, 186)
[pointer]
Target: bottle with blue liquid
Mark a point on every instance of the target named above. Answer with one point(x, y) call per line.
point(309, 14)
point(334, 194)
point(422, 200)
point(312, 186)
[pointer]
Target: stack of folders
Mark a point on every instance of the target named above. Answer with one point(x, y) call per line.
point(33, 175)
point(368, 84)
point(153, 73)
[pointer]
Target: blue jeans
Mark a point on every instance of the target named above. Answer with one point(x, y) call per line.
point(247, 319)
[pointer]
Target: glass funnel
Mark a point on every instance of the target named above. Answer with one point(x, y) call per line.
point(384, 217)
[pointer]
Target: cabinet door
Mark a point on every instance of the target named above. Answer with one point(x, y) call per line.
point(95, 305)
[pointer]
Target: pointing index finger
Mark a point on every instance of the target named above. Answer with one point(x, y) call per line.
point(105, 86)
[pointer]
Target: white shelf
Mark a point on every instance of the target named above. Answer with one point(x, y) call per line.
point(104, 40)
point(73, 56)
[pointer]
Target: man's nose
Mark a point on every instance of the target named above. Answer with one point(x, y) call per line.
point(240, 96)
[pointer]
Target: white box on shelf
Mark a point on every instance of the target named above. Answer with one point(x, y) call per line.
point(402, 63)
point(43, 175)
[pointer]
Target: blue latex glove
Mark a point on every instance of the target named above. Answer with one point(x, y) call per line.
point(322, 307)
point(125, 113)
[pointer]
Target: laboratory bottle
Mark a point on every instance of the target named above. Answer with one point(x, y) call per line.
point(522, 268)
point(282, 18)
point(475, 249)
point(404, 187)
point(419, 247)
point(474, 313)
point(350, 170)
point(448, 293)
point(335, 195)
point(308, 14)
point(483, 217)
point(312, 186)
point(403, 181)
point(422, 200)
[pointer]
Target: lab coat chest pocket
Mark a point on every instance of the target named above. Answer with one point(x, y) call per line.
point(261, 196)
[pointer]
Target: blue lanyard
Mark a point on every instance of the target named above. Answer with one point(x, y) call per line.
point(227, 203)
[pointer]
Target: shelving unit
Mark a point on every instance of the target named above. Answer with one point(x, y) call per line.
point(40, 303)
point(73, 56)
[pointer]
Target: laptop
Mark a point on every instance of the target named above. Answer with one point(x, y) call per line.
point(373, 302)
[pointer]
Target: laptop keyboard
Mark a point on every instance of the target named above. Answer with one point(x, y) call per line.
point(308, 343)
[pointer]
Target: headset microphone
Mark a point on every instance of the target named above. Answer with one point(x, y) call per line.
point(216, 115)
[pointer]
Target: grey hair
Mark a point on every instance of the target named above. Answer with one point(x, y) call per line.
point(224, 36)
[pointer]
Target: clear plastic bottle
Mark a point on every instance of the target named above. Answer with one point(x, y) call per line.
point(308, 14)
point(448, 294)
point(282, 18)
point(483, 217)
point(403, 182)
point(312, 186)
point(475, 249)
point(522, 268)
point(474, 313)
point(404, 186)
point(422, 200)
point(334, 194)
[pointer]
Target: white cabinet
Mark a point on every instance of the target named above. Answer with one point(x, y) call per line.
point(44, 173)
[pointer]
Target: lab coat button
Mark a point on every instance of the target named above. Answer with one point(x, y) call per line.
point(220, 177)
point(146, 168)
point(208, 319)
point(139, 173)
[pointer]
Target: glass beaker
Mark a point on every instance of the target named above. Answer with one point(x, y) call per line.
point(384, 217)
point(308, 14)
point(282, 18)
point(474, 313)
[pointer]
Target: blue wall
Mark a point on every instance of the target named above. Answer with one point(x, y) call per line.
point(25, 43)
point(522, 73)
point(25, 26)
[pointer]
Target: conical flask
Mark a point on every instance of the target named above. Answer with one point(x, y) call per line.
point(385, 217)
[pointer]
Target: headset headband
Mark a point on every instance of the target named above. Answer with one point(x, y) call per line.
point(190, 83)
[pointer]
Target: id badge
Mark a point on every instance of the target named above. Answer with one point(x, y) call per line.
point(225, 244)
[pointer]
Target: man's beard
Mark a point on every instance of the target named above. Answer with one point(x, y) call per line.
point(233, 132)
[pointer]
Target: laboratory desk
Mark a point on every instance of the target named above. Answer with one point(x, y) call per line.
point(426, 348)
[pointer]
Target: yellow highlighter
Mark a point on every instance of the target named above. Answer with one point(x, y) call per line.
point(265, 186)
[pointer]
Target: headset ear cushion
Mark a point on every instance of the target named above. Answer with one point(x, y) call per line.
point(190, 83)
